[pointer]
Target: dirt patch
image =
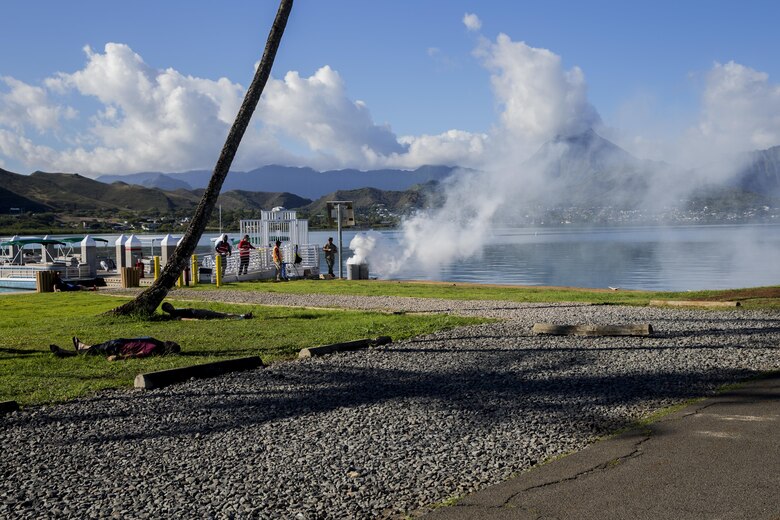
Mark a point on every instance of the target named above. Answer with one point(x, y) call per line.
point(744, 294)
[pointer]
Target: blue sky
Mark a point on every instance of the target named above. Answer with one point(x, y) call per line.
point(381, 84)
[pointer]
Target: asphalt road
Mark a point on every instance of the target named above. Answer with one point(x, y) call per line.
point(718, 458)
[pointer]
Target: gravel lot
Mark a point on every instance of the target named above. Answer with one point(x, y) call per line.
point(378, 433)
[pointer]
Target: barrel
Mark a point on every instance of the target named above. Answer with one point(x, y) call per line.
point(44, 281)
point(357, 271)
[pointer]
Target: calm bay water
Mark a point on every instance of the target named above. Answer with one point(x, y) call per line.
point(652, 258)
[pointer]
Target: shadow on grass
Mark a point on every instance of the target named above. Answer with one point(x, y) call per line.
point(19, 352)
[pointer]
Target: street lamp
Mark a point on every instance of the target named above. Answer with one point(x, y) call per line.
point(343, 213)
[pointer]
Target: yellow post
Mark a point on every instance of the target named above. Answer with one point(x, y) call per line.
point(180, 281)
point(218, 269)
point(194, 270)
point(156, 260)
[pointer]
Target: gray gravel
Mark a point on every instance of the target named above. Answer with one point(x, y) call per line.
point(378, 433)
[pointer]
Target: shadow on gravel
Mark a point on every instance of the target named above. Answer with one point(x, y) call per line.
point(483, 396)
point(588, 349)
point(518, 307)
point(719, 332)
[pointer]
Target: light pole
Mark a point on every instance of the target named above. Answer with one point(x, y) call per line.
point(345, 217)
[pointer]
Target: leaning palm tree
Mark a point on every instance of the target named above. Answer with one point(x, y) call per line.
point(145, 303)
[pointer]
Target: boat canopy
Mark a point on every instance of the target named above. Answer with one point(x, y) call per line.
point(73, 240)
point(33, 240)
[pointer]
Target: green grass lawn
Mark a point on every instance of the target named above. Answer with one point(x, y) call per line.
point(29, 323)
point(762, 297)
point(30, 374)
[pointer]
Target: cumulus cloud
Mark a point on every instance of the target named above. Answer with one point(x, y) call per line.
point(741, 109)
point(150, 119)
point(472, 22)
point(537, 98)
point(24, 105)
point(318, 112)
point(454, 147)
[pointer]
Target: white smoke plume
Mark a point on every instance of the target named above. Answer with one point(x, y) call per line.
point(539, 100)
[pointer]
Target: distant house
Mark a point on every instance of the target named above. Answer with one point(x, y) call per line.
point(90, 224)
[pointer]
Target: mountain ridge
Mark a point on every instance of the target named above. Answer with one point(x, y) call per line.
point(582, 170)
point(303, 181)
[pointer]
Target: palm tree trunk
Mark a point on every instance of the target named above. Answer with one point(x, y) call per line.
point(145, 303)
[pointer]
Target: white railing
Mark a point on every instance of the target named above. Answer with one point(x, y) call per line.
point(261, 260)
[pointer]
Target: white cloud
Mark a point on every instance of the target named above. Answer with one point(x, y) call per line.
point(739, 112)
point(741, 108)
point(26, 105)
point(317, 111)
point(454, 147)
point(150, 119)
point(472, 22)
point(536, 97)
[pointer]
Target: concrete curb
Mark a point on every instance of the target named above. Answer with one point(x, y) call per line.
point(644, 329)
point(8, 407)
point(345, 346)
point(692, 303)
point(163, 378)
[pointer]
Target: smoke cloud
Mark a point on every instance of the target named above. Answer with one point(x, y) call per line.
point(541, 104)
point(537, 100)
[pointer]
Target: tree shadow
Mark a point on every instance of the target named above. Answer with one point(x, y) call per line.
point(553, 386)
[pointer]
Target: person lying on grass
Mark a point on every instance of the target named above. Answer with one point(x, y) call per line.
point(121, 348)
point(201, 314)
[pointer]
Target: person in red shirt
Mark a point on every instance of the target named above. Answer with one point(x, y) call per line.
point(121, 348)
point(244, 247)
point(279, 262)
point(224, 249)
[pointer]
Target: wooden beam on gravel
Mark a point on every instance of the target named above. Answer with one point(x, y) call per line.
point(593, 330)
point(8, 407)
point(344, 346)
point(163, 378)
point(692, 303)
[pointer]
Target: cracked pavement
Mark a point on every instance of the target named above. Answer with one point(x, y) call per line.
point(717, 458)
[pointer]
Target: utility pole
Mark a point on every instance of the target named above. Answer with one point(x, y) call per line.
point(345, 216)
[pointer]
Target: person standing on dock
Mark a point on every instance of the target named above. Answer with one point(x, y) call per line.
point(244, 248)
point(330, 250)
point(278, 262)
point(224, 249)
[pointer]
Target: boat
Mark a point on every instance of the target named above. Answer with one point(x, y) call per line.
point(22, 258)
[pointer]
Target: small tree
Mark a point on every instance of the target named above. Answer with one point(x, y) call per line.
point(146, 302)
